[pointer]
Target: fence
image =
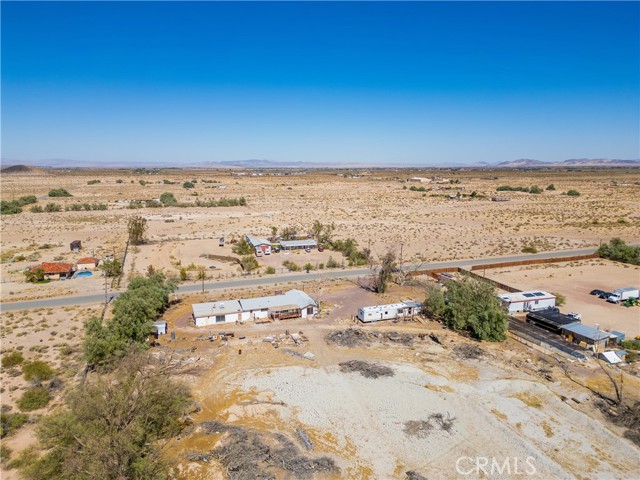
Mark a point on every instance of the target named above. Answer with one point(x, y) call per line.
point(535, 261)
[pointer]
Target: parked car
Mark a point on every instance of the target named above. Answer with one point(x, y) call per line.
point(605, 295)
point(320, 248)
point(307, 249)
point(276, 250)
point(596, 292)
point(575, 315)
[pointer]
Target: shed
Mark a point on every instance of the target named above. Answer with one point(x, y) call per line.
point(611, 357)
point(160, 327)
point(86, 263)
point(527, 301)
point(75, 246)
point(593, 337)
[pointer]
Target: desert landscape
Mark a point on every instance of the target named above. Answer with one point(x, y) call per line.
point(399, 400)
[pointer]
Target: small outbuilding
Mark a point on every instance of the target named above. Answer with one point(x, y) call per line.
point(392, 311)
point(86, 263)
point(75, 246)
point(585, 335)
point(527, 301)
point(160, 327)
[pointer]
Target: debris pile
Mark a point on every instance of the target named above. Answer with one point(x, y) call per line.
point(412, 475)
point(351, 337)
point(422, 428)
point(293, 339)
point(247, 454)
point(366, 369)
point(357, 337)
point(468, 351)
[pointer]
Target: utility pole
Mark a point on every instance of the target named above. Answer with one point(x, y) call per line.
point(106, 300)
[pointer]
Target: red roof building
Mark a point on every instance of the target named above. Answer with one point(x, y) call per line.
point(51, 269)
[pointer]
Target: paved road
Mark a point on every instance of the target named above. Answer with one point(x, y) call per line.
point(272, 279)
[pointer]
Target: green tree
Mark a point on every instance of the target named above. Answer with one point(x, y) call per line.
point(188, 185)
point(242, 247)
point(473, 306)
point(202, 275)
point(137, 227)
point(168, 200)
point(434, 304)
point(617, 250)
point(308, 267)
point(289, 233)
point(184, 274)
point(274, 233)
point(34, 275)
point(112, 425)
point(111, 268)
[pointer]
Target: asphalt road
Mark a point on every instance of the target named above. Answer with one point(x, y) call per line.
point(272, 279)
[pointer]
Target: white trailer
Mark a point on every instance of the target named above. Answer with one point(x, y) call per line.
point(622, 294)
point(388, 312)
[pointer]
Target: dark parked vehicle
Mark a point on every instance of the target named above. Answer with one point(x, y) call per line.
point(605, 295)
point(596, 292)
point(320, 248)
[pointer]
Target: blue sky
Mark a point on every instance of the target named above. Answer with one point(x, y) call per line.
point(397, 83)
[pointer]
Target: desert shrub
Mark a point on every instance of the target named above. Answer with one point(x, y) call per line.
point(9, 208)
point(188, 185)
point(535, 189)
point(93, 182)
point(12, 359)
point(270, 270)
point(551, 187)
point(119, 180)
point(36, 209)
point(560, 299)
point(291, 266)
point(308, 267)
point(529, 249)
point(52, 207)
point(509, 188)
point(33, 399)
point(59, 192)
point(168, 200)
point(619, 251)
point(573, 193)
point(37, 370)
point(331, 263)
point(10, 422)
point(249, 263)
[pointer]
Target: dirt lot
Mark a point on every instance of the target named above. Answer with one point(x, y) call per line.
point(575, 280)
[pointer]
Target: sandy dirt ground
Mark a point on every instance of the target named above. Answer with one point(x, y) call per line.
point(377, 208)
point(575, 280)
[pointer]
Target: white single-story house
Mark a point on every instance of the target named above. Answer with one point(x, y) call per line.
point(260, 245)
point(160, 327)
point(86, 263)
point(298, 244)
point(291, 304)
point(393, 311)
point(527, 301)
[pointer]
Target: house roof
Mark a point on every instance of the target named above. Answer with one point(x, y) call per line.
point(298, 243)
point(211, 309)
point(292, 297)
point(380, 308)
point(256, 241)
point(526, 296)
point(87, 260)
point(586, 331)
point(54, 267)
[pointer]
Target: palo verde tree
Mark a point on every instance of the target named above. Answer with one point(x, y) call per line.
point(137, 227)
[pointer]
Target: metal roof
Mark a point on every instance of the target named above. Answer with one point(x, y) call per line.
point(255, 241)
point(298, 243)
point(586, 331)
point(292, 297)
point(379, 308)
point(210, 309)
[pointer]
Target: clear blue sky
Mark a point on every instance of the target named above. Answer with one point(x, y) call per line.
point(401, 83)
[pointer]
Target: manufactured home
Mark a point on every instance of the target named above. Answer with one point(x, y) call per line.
point(291, 304)
point(527, 301)
point(260, 245)
point(393, 311)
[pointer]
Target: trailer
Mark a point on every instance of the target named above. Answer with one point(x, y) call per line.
point(388, 312)
point(622, 294)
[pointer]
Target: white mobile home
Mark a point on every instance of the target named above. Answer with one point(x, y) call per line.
point(527, 301)
point(393, 311)
point(291, 304)
point(260, 245)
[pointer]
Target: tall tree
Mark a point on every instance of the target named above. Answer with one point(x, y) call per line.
point(137, 227)
point(385, 272)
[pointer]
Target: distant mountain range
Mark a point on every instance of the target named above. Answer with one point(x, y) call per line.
point(266, 164)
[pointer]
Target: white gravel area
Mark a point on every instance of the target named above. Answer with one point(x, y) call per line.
point(491, 421)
